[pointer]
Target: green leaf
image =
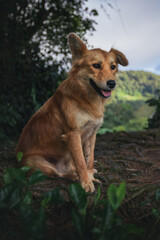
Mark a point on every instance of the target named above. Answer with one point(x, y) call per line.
point(15, 175)
point(19, 156)
point(10, 196)
point(36, 177)
point(97, 231)
point(14, 198)
point(157, 195)
point(53, 197)
point(127, 229)
point(7, 177)
point(108, 216)
point(112, 196)
point(116, 195)
point(33, 222)
point(78, 196)
point(27, 198)
point(77, 221)
point(121, 192)
point(156, 213)
point(25, 169)
point(97, 197)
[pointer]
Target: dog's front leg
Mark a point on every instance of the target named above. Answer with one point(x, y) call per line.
point(89, 156)
point(88, 149)
point(75, 148)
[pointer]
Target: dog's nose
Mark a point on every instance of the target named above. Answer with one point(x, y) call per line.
point(111, 84)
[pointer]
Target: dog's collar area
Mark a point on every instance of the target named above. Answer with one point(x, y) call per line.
point(103, 93)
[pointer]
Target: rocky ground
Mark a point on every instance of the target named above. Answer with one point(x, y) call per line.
point(130, 157)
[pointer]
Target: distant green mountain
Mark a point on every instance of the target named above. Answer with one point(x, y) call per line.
point(127, 109)
point(136, 84)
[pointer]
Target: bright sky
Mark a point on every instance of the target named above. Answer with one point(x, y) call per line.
point(134, 29)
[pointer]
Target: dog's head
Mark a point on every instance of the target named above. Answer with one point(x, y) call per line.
point(95, 67)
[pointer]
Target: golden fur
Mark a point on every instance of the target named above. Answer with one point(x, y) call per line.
point(59, 139)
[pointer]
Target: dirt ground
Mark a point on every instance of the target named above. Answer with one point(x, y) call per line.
point(130, 157)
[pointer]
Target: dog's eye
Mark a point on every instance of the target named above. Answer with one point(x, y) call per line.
point(96, 65)
point(113, 67)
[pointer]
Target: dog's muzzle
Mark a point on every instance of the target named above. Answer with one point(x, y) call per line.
point(105, 93)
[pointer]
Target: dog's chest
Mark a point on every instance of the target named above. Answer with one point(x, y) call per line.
point(87, 124)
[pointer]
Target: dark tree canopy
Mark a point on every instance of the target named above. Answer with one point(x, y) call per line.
point(33, 35)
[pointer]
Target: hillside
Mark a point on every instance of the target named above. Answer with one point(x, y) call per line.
point(137, 85)
point(127, 109)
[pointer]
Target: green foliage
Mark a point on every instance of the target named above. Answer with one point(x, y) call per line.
point(97, 197)
point(52, 197)
point(36, 177)
point(116, 195)
point(17, 205)
point(156, 212)
point(79, 197)
point(157, 195)
point(136, 84)
point(103, 130)
point(125, 116)
point(154, 122)
point(127, 110)
point(21, 210)
point(100, 221)
point(33, 222)
point(19, 156)
point(29, 90)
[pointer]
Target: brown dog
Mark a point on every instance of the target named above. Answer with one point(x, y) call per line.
point(59, 139)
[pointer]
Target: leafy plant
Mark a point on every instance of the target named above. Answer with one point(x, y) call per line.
point(116, 195)
point(156, 212)
point(100, 221)
point(154, 122)
point(18, 207)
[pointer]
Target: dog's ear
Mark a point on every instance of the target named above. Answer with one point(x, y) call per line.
point(120, 57)
point(78, 48)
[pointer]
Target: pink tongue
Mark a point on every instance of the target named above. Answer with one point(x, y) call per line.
point(106, 93)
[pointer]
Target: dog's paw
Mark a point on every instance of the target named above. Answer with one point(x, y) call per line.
point(88, 186)
point(91, 175)
point(92, 172)
point(96, 180)
point(95, 171)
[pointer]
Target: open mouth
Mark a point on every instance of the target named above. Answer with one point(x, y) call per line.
point(103, 93)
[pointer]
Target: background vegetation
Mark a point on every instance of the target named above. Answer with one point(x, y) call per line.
point(130, 107)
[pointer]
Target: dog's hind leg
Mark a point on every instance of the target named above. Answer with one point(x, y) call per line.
point(39, 162)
